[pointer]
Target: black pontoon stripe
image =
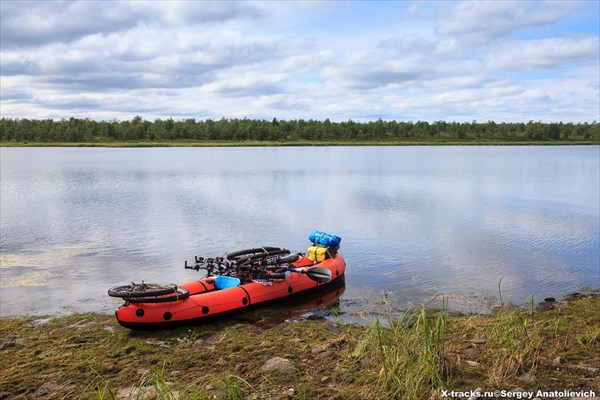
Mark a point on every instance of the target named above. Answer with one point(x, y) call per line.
point(335, 283)
point(247, 294)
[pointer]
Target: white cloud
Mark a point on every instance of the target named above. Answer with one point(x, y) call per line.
point(34, 23)
point(375, 69)
point(484, 21)
point(247, 85)
point(500, 61)
point(544, 54)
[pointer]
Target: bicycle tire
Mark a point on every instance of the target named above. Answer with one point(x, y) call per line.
point(181, 294)
point(236, 254)
point(264, 276)
point(135, 290)
point(252, 258)
point(275, 275)
point(288, 259)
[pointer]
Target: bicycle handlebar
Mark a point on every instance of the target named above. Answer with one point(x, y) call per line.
point(250, 266)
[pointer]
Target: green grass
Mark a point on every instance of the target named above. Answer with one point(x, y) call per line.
point(411, 356)
point(520, 341)
point(516, 343)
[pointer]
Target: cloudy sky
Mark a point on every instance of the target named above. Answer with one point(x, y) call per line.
point(456, 61)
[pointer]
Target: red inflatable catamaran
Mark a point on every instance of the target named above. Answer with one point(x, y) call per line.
point(237, 282)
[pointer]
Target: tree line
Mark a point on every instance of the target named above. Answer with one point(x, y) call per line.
point(233, 129)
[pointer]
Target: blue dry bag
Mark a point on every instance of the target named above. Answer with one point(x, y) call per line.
point(226, 282)
point(324, 239)
point(315, 236)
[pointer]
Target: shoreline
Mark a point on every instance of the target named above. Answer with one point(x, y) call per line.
point(512, 349)
point(196, 143)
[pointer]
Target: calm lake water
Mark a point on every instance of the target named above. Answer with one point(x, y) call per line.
point(415, 222)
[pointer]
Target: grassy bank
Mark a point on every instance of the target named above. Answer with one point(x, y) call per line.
point(256, 143)
point(90, 356)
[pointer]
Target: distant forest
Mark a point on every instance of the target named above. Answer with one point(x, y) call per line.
point(75, 130)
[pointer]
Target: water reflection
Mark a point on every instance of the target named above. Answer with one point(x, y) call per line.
point(415, 221)
point(323, 304)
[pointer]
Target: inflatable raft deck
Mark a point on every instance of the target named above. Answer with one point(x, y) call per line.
point(206, 303)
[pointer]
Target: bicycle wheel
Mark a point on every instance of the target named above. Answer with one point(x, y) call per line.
point(237, 254)
point(134, 290)
point(179, 294)
point(275, 275)
point(245, 260)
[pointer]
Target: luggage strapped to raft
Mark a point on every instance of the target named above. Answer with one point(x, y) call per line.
point(324, 246)
point(263, 264)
